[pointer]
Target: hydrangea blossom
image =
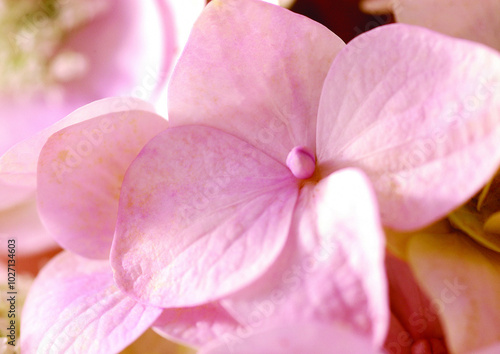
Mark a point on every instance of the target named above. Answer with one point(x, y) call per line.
point(257, 183)
point(355, 116)
point(387, 122)
point(59, 56)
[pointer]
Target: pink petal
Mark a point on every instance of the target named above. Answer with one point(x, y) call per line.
point(201, 214)
point(23, 224)
point(18, 165)
point(80, 172)
point(332, 268)
point(74, 306)
point(296, 338)
point(426, 106)
point(462, 280)
point(195, 326)
point(254, 70)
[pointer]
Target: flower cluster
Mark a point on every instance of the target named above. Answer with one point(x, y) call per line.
point(298, 195)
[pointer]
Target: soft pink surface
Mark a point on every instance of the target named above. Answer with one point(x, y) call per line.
point(204, 214)
point(295, 338)
point(22, 223)
point(210, 215)
point(80, 172)
point(419, 112)
point(257, 74)
point(18, 166)
point(196, 326)
point(19, 217)
point(332, 267)
point(74, 306)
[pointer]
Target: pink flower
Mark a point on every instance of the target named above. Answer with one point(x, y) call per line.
point(234, 190)
point(83, 51)
point(252, 203)
point(123, 48)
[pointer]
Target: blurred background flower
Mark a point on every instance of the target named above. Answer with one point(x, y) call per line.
point(58, 55)
point(473, 20)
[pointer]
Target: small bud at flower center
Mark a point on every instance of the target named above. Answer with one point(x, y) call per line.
point(301, 162)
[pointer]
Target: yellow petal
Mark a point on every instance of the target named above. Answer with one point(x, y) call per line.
point(152, 343)
point(397, 242)
point(492, 224)
point(483, 195)
point(470, 221)
point(462, 279)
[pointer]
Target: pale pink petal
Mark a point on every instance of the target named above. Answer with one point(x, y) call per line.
point(18, 165)
point(296, 338)
point(195, 326)
point(462, 280)
point(473, 20)
point(18, 175)
point(201, 214)
point(332, 268)
point(80, 172)
point(23, 224)
point(419, 112)
point(257, 74)
point(74, 306)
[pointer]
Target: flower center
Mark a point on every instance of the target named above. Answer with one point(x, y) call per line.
point(31, 59)
point(301, 162)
